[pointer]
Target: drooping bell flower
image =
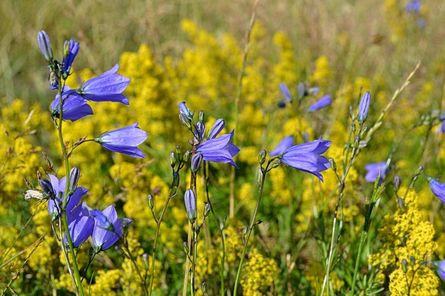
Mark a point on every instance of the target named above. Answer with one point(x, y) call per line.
point(54, 190)
point(124, 140)
point(282, 146)
point(80, 222)
point(437, 188)
point(374, 170)
point(305, 157)
point(219, 149)
point(321, 103)
point(108, 86)
point(108, 228)
point(74, 106)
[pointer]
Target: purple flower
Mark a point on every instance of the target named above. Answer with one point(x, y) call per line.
point(305, 157)
point(440, 269)
point(45, 45)
point(80, 224)
point(216, 128)
point(413, 6)
point(185, 115)
point(71, 48)
point(108, 228)
point(190, 204)
point(106, 87)
point(219, 149)
point(287, 97)
point(437, 188)
point(55, 190)
point(282, 146)
point(364, 106)
point(74, 106)
point(199, 130)
point(374, 170)
point(285, 92)
point(196, 161)
point(124, 140)
point(321, 103)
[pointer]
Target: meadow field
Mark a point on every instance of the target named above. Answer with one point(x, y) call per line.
point(222, 147)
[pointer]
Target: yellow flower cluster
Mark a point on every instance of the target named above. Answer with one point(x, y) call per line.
point(259, 274)
point(407, 248)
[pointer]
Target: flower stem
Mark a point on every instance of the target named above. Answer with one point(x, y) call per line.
point(158, 230)
point(76, 272)
point(221, 229)
point(195, 255)
point(238, 99)
point(187, 263)
point(252, 224)
point(357, 260)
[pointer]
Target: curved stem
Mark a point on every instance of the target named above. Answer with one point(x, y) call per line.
point(263, 173)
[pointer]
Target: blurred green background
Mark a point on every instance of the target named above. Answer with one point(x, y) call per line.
point(107, 28)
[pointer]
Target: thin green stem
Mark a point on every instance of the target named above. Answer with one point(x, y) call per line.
point(363, 236)
point(76, 272)
point(252, 224)
point(136, 267)
point(221, 229)
point(237, 102)
point(187, 263)
point(159, 220)
point(195, 256)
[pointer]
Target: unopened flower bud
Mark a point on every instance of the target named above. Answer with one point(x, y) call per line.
point(45, 45)
point(201, 116)
point(364, 106)
point(190, 204)
point(196, 162)
point(74, 177)
point(262, 156)
point(150, 201)
point(275, 163)
point(172, 159)
point(70, 50)
point(186, 156)
point(397, 181)
point(200, 129)
point(185, 115)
